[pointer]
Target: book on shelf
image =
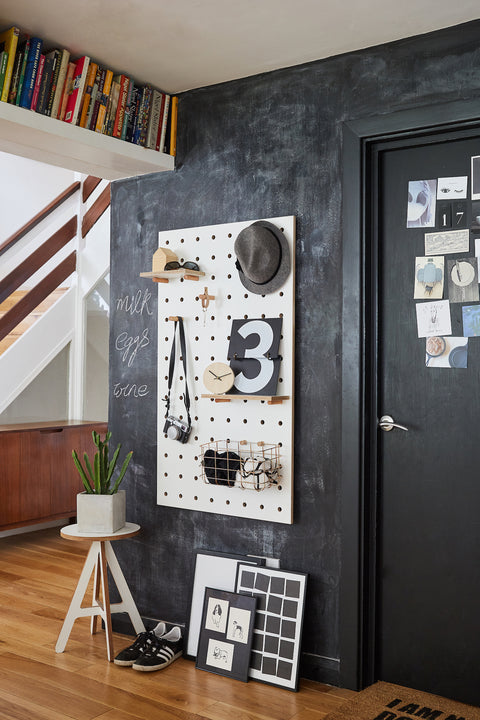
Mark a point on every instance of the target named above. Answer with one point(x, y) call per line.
point(56, 54)
point(62, 74)
point(124, 83)
point(134, 112)
point(173, 125)
point(38, 80)
point(162, 130)
point(112, 105)
point(97, 93)
point(75, 98)
point(140, 134)
point(67, 90)
point(91, 75)
point(156, 115)
point(23, 67)
point(14, 83)
point(102, 99)
point(128, 106)
point(46, 84)
point(31, 69)
point(9, 40)
point(3, 67)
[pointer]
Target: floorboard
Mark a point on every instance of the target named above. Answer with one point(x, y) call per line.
point(38, 574)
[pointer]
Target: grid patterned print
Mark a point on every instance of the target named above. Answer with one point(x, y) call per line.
point(278, 622)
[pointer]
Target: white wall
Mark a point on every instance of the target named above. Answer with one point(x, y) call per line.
point(46, 398)
point(26, 187)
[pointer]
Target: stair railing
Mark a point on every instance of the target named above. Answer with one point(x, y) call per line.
point(54, 279)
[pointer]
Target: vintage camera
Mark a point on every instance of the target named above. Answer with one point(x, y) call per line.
point(175, 429)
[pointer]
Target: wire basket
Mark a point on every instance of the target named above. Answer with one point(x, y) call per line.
point(239, 463)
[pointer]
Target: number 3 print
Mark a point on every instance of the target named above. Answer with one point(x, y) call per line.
point(253, 355)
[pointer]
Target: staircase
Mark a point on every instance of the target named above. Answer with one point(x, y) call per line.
point(30, 319)
point(47, 269)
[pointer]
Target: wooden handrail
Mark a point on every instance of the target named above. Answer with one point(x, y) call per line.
point(95, 212)
point(89, 185)
point(9, 242)
point(37, 295)
point(39, 257)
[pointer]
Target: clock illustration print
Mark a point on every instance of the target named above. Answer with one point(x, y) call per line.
point(253, 355)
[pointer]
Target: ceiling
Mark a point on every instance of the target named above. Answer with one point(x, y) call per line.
point(183, 44)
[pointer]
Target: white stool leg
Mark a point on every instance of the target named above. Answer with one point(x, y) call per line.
point(75, 609)
point(127, 605)
point(106, 600)
point(95, 596)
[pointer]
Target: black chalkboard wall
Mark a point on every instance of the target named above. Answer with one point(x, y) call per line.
point(263, 146)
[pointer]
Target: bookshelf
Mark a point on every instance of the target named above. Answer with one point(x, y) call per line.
point(47, 140)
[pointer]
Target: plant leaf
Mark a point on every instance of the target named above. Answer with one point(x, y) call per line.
point(111, 467)
point(96, 465)
point(88, 466)
point(79, 466)
point(122, 472)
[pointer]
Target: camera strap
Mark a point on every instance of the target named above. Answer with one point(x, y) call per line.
point(171, 368)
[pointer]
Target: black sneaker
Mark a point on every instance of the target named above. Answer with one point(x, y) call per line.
point(162, 652)
point(143, 641)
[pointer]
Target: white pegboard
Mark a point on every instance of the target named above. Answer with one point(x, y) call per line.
point(179, 471)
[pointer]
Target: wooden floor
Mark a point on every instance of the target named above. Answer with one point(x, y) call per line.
point(38, 574)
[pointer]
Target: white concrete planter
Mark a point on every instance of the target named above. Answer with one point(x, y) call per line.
point(101, 513)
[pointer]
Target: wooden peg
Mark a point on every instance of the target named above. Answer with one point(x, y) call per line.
point(173, 318)
point(205, 298)
point(190, 277)
point(160, 280)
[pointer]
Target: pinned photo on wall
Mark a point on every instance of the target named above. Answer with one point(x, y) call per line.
point(422, 198)
point(441, 243)
point(452, 188)
point(449, 352)
point(433, 318)
point(475, 224)
point(471, 320)
point(462, 276)
point(459, 214)
point(429, 276)
point(477, 250)
point(444, 214)
point(475, 170)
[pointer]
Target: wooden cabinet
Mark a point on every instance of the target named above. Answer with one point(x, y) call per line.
point(38, 480)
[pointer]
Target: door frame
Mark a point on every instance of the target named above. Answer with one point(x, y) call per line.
point(358, 490)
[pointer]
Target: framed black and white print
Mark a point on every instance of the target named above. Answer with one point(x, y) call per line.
point(277, 633)
point(226, 633)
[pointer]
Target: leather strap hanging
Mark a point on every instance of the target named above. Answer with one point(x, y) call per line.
point(183, 347)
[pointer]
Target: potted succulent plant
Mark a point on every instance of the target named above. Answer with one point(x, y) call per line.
point(101, 507)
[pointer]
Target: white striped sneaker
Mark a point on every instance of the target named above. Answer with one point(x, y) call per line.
point(161, 652)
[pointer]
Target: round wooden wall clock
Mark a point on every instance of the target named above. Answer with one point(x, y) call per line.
point(218, 378)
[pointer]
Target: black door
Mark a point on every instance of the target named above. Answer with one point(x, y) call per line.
point(427, 611)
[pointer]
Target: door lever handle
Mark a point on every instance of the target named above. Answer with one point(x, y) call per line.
point(387, 423)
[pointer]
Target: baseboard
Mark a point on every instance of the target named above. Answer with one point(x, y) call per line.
point(312, 667)
point(121, 624)
point(321, 669)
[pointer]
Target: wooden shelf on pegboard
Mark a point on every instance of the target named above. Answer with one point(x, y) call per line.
point(270, 399)
point(166, 275)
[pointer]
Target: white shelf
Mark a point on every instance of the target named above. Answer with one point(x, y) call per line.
point(34, 136)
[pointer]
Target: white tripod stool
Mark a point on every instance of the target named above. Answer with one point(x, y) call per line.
point(99, 558)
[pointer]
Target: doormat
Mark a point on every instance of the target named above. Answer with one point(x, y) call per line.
point(384, 701)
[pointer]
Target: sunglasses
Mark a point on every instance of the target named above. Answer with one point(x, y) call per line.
point(175, 265)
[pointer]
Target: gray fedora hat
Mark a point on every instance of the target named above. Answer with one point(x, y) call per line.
point(263, 257)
